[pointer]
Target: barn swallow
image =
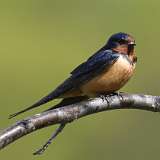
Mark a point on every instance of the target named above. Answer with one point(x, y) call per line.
point(105, 72)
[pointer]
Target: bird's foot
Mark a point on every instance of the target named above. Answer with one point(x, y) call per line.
point(118, 94)
point(106, 96)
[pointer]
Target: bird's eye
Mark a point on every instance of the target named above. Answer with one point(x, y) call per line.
point(122, 41)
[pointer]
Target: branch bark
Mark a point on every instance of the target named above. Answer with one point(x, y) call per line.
point(75, 111)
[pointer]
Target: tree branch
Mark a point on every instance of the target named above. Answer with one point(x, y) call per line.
point(69, 113)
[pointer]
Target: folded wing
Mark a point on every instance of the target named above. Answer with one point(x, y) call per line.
point(84, 72)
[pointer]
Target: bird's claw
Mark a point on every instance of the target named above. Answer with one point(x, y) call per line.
point(105, 97)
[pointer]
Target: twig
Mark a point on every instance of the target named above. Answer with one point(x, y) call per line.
point(44, 147)
point(69, 113)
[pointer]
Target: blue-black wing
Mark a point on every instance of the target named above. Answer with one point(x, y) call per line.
point(95, 63)
point(84, 72)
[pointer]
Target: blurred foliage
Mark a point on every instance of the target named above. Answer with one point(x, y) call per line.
point(41, 41)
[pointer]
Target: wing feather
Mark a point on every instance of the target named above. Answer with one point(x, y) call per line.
point(84, 72)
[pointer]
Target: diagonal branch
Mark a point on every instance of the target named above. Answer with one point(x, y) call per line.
point(71, 112)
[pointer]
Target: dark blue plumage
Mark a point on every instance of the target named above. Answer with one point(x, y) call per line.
point(84, 72)
point(95, 63)
point(117, 39)
point(102, 60)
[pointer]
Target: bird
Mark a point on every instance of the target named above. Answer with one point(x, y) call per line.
point(105, 72)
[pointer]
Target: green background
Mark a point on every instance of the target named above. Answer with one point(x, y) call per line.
point(41, 41)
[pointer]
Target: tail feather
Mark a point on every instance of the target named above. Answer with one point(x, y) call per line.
point(58, 92)
point(44, 100)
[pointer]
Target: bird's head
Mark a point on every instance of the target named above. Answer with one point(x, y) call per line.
point(122, 43)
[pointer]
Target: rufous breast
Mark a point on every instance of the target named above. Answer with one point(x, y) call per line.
point(112, 79)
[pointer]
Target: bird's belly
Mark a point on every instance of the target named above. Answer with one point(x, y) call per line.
point(110, 80)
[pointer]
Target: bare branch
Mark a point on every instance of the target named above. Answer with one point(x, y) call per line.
point(69, 113)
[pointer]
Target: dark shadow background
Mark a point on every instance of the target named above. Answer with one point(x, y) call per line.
point(41, 41)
